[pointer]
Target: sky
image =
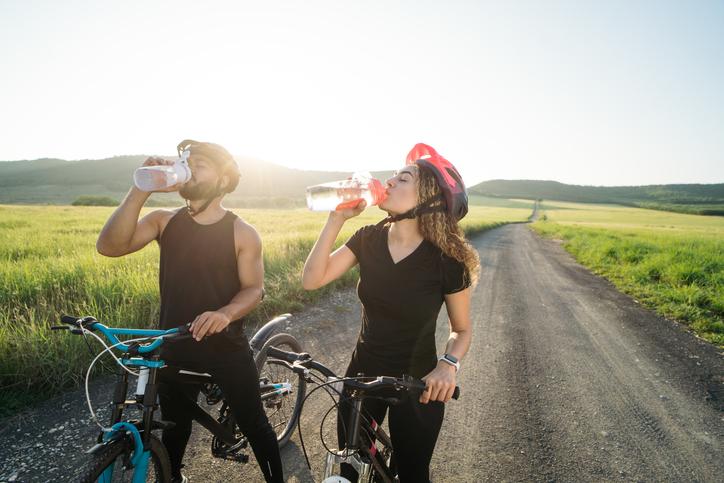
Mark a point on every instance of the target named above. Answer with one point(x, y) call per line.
point(583, 92)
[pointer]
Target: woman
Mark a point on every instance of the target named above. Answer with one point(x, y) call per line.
point(410, 263)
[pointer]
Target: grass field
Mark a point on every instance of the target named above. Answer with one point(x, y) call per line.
point(672, 263)
point(49, 266)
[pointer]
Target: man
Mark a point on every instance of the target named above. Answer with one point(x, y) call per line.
point(211, 275)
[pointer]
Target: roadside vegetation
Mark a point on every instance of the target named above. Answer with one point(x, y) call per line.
point(672, 263)
point(89, 200)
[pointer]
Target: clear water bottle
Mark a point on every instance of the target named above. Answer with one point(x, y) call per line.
point(346, 193)
point(153, 178)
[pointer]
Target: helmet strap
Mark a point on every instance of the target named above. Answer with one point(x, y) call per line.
point(430, 206)
point(217, 193)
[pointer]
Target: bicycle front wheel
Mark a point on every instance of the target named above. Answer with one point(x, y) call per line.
point(282, 410)
point(109, 465)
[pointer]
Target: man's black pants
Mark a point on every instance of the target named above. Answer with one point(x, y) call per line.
point(236, 375)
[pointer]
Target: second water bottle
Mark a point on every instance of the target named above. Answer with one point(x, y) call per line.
point(346, 193)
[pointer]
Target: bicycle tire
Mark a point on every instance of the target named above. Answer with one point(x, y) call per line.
point(115, 451)
point(268, 368)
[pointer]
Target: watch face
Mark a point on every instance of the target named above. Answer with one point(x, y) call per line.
point(451, 358)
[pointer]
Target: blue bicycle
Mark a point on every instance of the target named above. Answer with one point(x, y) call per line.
point(127, 449)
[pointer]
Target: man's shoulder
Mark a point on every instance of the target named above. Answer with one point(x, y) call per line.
point(245, 235)
point(173, 211)
point(166, 213)
point(163, 215)
point(243, 227)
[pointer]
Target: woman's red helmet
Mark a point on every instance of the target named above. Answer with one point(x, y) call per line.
point(448, 178)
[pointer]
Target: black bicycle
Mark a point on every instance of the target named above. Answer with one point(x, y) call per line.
point(368, 448)
point(127, 449)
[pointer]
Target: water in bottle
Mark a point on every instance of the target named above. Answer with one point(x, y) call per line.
point(346, 193)
point(152, 178)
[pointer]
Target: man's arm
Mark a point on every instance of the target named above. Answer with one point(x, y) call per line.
point(251, 276)
point(124, 233)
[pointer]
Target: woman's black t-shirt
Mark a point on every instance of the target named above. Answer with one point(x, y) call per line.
point(401, 302)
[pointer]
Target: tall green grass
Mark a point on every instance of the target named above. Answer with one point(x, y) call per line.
point(49, 266)
point(672, 263)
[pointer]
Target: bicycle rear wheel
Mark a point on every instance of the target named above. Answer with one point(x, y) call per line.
point(109, 465)
point(282, 410)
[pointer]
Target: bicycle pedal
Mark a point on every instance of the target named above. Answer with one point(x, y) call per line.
point(239, 457)
point(160, 424)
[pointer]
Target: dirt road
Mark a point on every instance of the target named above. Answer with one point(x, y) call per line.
point(569, 380)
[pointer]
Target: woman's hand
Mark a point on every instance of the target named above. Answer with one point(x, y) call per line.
point(209, 323)
point(440, 384)
point(347, 213)
point(323, 266)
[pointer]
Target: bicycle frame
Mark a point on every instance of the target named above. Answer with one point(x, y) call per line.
point(119, 428)
point(362, 436)
point(360, 449)
point(146, 359)
point(141, 431)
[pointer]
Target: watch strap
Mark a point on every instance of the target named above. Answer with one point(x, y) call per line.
point(452, 360)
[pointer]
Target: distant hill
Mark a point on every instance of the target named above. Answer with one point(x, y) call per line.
point(264, 184)
point(706, 199)
point(56, 181)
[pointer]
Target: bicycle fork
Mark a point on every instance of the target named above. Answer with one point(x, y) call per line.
point(350, 454)
point(146, 392)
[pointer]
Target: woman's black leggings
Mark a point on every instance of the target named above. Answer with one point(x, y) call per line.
point(236, 375)
point(414, 427)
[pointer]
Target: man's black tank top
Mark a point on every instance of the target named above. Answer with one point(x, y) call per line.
point(198, 273)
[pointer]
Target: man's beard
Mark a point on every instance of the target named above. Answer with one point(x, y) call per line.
point(194, 190)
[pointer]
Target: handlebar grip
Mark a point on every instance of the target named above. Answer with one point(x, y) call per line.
point(420, 385)
point(69, 319)
point(182, 334)
point(176, 337)
point(282, 355)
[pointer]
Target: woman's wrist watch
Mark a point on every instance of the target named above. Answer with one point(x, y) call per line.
point(452, 360)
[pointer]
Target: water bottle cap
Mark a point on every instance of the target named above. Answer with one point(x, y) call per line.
point(378, 191)
point(181, 166)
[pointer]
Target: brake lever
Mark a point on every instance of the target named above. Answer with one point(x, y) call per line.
point(303, 357)
point(182, 334)
point(298, 368)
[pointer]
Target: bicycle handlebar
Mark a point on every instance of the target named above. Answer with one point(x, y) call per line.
point(70, 320)
point(159, 336)
point(305, 361)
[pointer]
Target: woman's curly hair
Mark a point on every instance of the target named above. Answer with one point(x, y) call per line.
point(442, 229)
